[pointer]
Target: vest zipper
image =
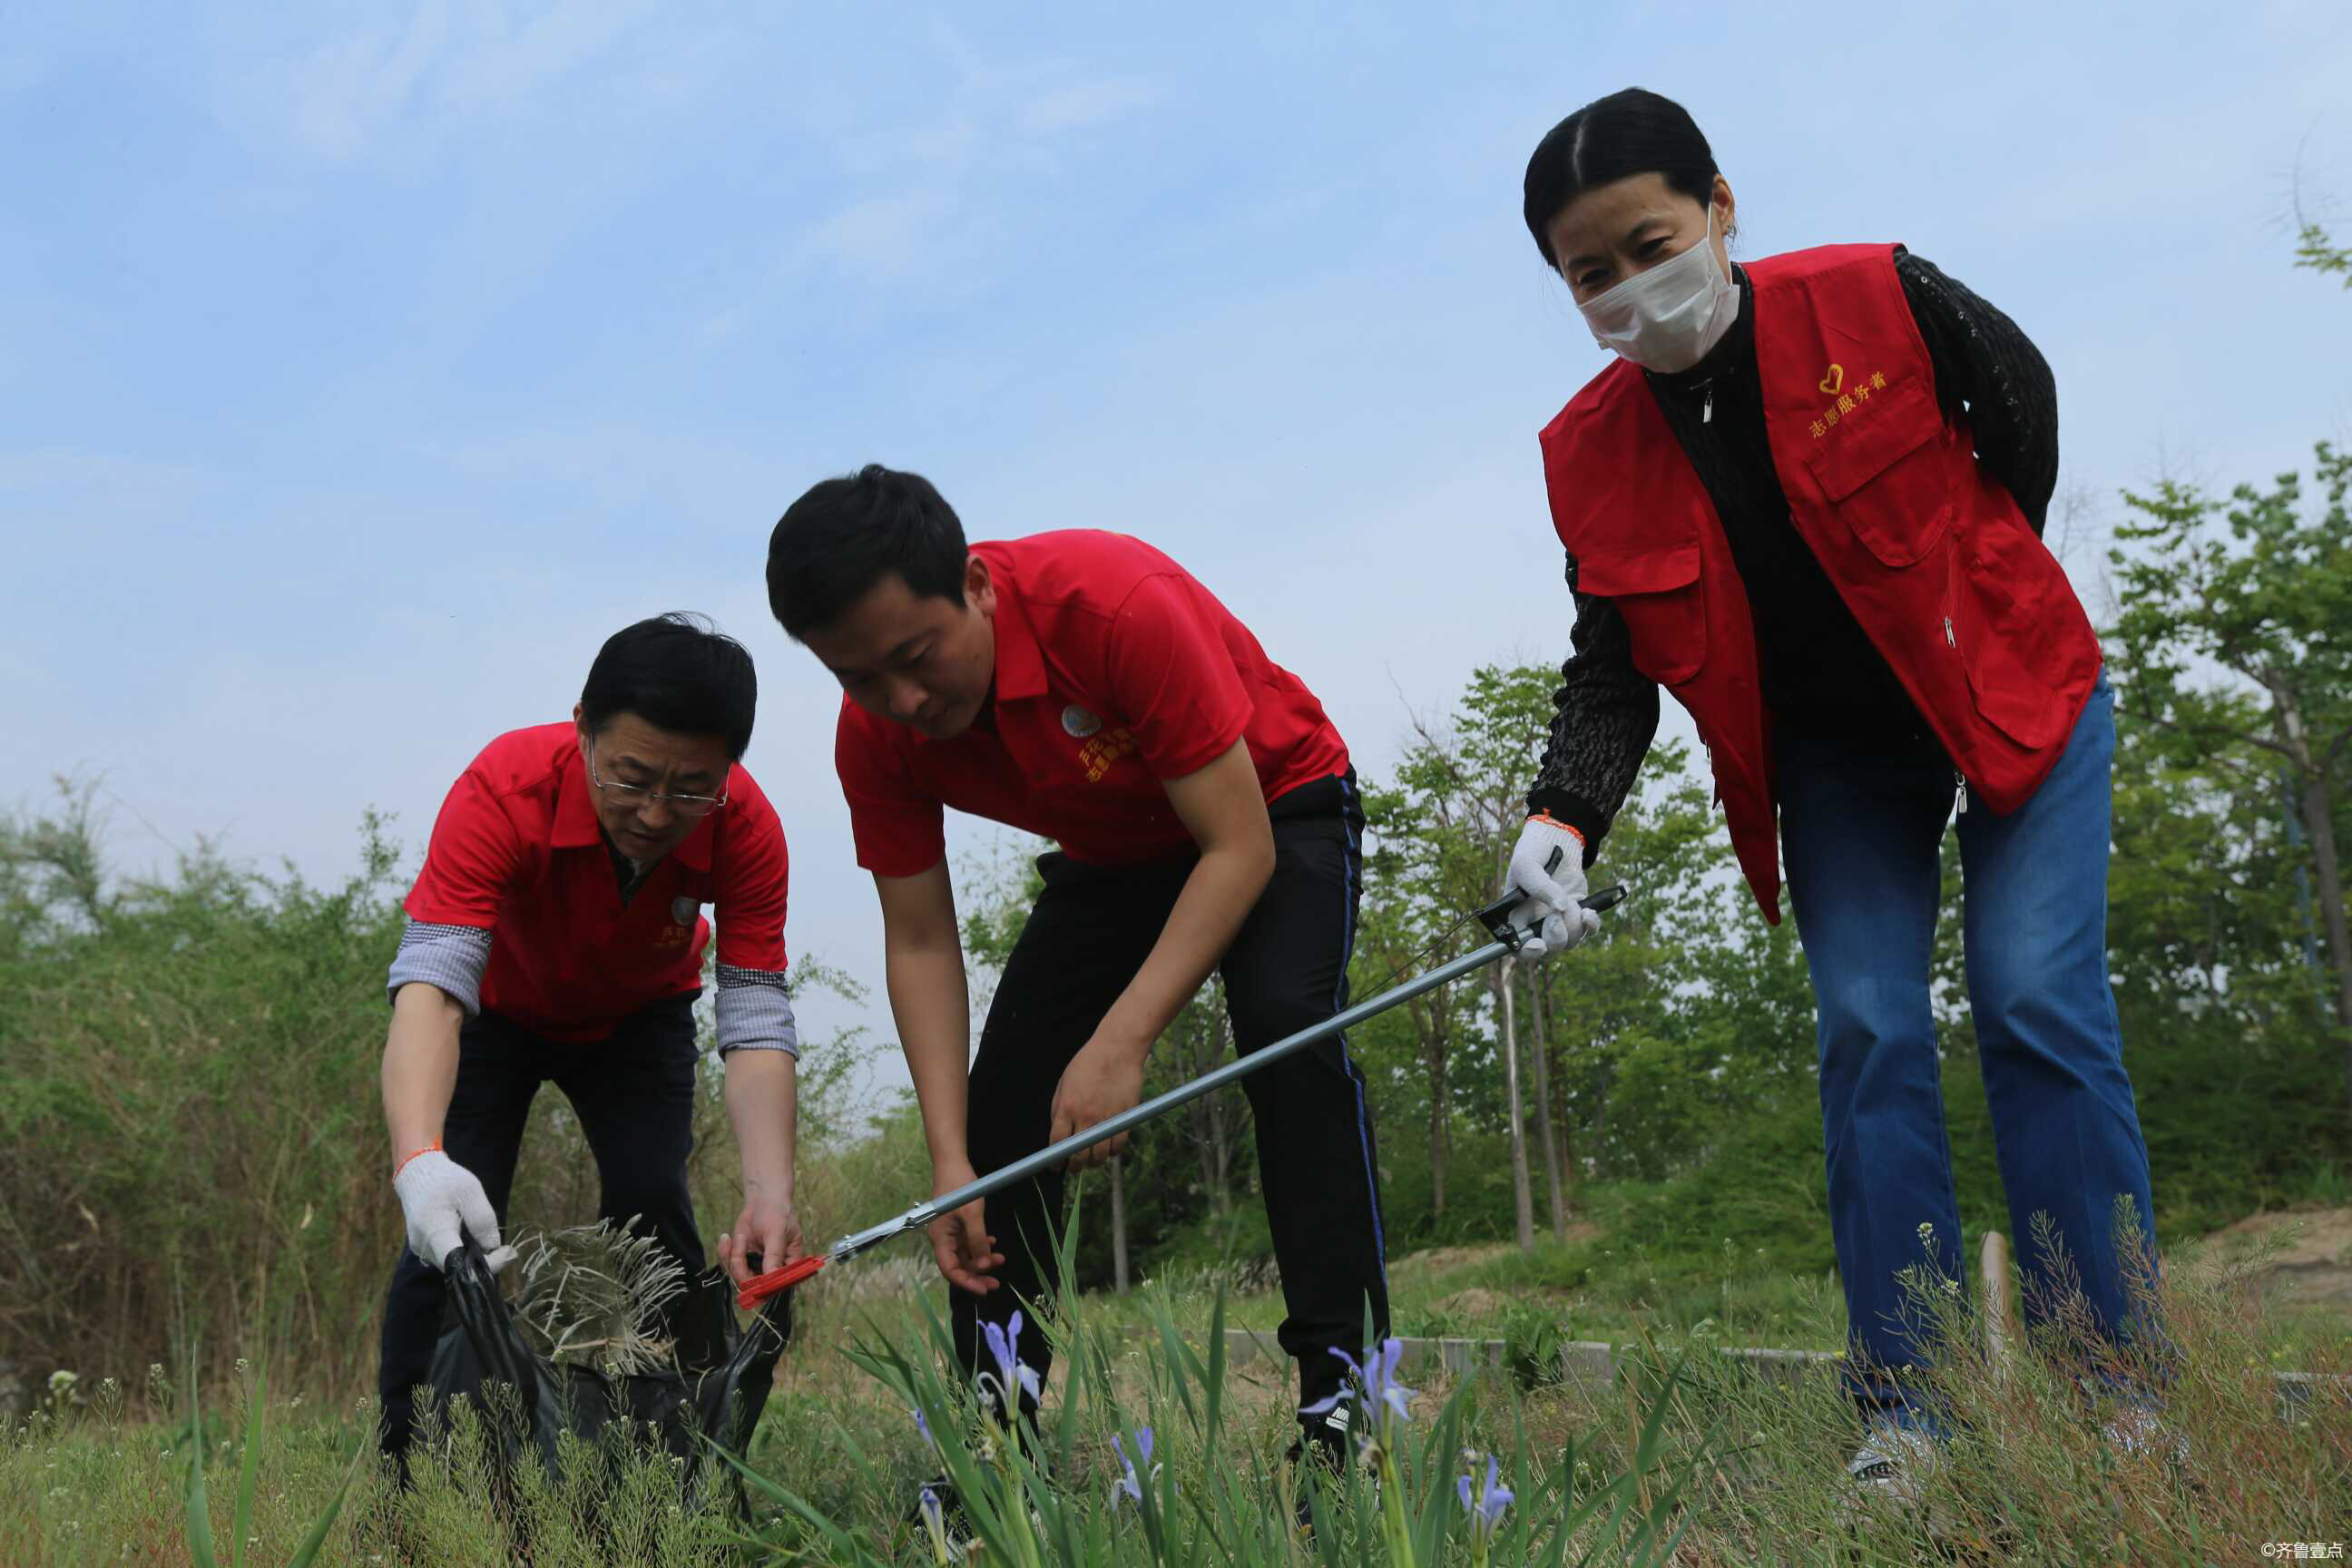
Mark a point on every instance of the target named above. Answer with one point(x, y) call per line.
point(1706, 404)
point(1960, 779)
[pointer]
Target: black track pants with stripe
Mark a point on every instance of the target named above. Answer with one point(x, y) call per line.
point(1088, 934)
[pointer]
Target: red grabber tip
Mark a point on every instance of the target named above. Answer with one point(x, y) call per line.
point(762, 1286)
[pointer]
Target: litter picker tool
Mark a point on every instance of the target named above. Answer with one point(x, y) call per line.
point(1496, 916)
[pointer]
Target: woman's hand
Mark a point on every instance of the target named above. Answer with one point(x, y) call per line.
point(1548, 871)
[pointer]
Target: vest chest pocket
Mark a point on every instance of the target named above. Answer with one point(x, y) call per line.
point(1659, 594)
point(1880, 470)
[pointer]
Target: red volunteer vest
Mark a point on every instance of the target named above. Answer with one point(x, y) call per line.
point(1934, 558)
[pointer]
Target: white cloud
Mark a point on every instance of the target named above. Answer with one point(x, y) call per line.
point(1088, 103)
point(342, 93)
point(878, 234)
point(340, 98)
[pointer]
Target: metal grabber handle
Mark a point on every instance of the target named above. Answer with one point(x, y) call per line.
point(1494, 917)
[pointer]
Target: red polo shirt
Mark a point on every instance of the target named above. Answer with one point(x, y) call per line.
point(1116, 670)
point(517, 851)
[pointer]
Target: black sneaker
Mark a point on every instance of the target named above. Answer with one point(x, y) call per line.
point(938, 1498)
point(1319, 1458)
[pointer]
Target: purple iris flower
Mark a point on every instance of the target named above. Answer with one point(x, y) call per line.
point(1131, 1483)
point(1486, 1506)
point(1004, 1345)
point(1376, 1375)
point(924, 1427)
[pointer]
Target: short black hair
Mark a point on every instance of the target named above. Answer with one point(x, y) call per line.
point(844, 534)
point(677, 672)
point(1635, 132)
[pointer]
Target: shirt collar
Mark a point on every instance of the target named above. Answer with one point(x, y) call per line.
point(575, 805)
point(1020, 662)
point(576, 826)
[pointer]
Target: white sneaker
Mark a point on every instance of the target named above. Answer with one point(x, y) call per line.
point(1892, 1465)
point(2140, 1434)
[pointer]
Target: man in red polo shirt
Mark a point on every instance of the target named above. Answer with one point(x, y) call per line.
point(556, 933)
point(1084, 686)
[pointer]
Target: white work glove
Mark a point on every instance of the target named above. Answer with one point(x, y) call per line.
point(438, 1195)
point(1551, 903)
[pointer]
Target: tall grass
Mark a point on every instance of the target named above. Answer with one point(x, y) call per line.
point(1685, 1449)
point(187, 1147)
point(1142, 1461)
point(189, 1136)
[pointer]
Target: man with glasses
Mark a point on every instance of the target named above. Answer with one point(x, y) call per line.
point(556, 935)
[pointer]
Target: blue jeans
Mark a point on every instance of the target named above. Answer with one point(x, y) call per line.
point(1862, 837)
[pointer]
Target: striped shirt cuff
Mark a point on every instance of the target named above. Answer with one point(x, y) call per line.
point(449, 957)
point(755, 1010)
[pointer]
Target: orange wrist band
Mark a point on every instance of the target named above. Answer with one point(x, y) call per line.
point(1556, 822)
point(432, 1148)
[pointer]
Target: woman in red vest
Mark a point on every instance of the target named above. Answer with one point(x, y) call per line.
point(1808, 497)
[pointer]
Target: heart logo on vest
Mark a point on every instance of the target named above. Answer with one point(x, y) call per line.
point(1835, 381)
point(683, 910)
point(1077, 723)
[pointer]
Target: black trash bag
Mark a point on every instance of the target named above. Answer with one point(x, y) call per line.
point(717, 1395)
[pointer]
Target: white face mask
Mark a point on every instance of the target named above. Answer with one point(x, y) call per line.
point(1667, 318)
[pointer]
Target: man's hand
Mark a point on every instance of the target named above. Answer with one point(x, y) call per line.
point(1551, 902)
point(960, 1244)
point(437, 1195)
point(768, 1227)
point(1104, 1078)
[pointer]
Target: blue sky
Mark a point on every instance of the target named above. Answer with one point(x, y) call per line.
point(366, 365)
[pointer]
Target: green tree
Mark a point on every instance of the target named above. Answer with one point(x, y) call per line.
point(2232, 638)
point(1460, 801)
point(2314, 249)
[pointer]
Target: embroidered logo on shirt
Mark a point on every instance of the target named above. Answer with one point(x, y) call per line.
point(1847, 402)
point(1097, 755)
point(1077, 723)
point(683, 910)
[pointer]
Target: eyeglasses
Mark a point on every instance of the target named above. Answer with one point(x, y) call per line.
point(637, 795)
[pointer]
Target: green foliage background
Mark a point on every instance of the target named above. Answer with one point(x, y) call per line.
point(190, 1143)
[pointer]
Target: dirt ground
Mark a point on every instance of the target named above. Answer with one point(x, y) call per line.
point(2301, 1258)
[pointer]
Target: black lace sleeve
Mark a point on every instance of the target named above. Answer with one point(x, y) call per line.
point(1604, 716)
point(1985, 364)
